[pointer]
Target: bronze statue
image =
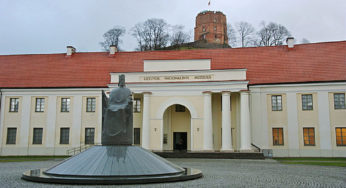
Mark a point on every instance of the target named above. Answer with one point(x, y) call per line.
point(117, 126)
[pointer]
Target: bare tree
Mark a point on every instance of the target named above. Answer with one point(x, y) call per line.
point(151, 34)
point(178, 35)
point(245, 32)
point(272, 34)
point(112, 37)
point(232, 35)
point(304, 41)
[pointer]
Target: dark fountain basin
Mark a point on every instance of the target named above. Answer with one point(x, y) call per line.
point(113, 165)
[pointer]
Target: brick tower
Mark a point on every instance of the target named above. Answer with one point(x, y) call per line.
point(212, 27)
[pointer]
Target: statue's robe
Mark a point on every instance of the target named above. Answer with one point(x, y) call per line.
point(117, 126)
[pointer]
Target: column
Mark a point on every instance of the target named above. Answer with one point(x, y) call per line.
point(245, 136)
point(25, 125)
point(226, 122)
point(208, 122)
point(146, 121)
point(76, 129)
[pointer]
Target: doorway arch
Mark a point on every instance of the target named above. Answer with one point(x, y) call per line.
point(176, 128)
point(188, 105)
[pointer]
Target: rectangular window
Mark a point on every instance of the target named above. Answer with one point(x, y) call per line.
point(64, 135)
point(309, 136)
point(179, 108)
point(307, 102)
point(37, 137)
point(339, 101)
point(276, 103)
point(11, 135)
point(65, 104)
point(14, 104)
point(89, 135)
point(91, 104)
point(340, 136)
point(39, 105)
point(137, 136)
point(278, 137)
point(137, 105)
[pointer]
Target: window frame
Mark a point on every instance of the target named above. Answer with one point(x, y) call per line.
point(65, 107)
point(136, 130)
point(92, 106)
point(87, 138)
point(11, 139)
point(62, 141)
point(39, 141)
point(343, 137)
point(339, 106)
point(136, 105)
point(309, 137)
point(41, 105)
point(15, 106)
point(178, 108)
point(278, 135)
point(276, 103)
point(305, 98)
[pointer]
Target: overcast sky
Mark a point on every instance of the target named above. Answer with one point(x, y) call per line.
point(47, 26)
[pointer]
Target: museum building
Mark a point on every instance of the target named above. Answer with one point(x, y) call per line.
point(287, 99)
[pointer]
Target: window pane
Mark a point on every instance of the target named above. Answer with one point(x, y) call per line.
point(64, 135)
point(307, 102)
point(137, 136)
point(339, 100)
point(11, 135)
point(89, 135)
point(340, 136)
point(278, 136)
point(37, 137)
point(14, 104)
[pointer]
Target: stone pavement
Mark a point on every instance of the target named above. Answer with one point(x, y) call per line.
point(217, 173)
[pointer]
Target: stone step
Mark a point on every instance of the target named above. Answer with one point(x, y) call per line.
point(212, 155)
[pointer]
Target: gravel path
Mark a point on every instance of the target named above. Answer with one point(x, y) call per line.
point(217, 173)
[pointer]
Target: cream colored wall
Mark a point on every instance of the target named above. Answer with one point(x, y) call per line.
point(277, 119)
point(38, 120)
point(12, 120)
point(337, 119)
point(90, 119)
point(308, 119)
point(138, 116)
point(63, 120)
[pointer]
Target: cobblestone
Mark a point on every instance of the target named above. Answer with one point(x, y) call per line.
point(217, 173)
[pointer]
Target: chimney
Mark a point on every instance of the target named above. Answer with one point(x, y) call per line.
point(290, 42)
point(70, 50)
point(112, 49)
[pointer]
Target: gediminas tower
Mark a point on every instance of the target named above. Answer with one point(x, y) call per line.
point(212, 27)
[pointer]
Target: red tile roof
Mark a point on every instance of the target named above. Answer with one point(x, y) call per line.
point(265, 65)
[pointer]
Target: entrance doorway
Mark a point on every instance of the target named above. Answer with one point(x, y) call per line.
point(176, 128)
point(180, 141)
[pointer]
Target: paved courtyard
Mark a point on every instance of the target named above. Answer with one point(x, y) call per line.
point(217, 173)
